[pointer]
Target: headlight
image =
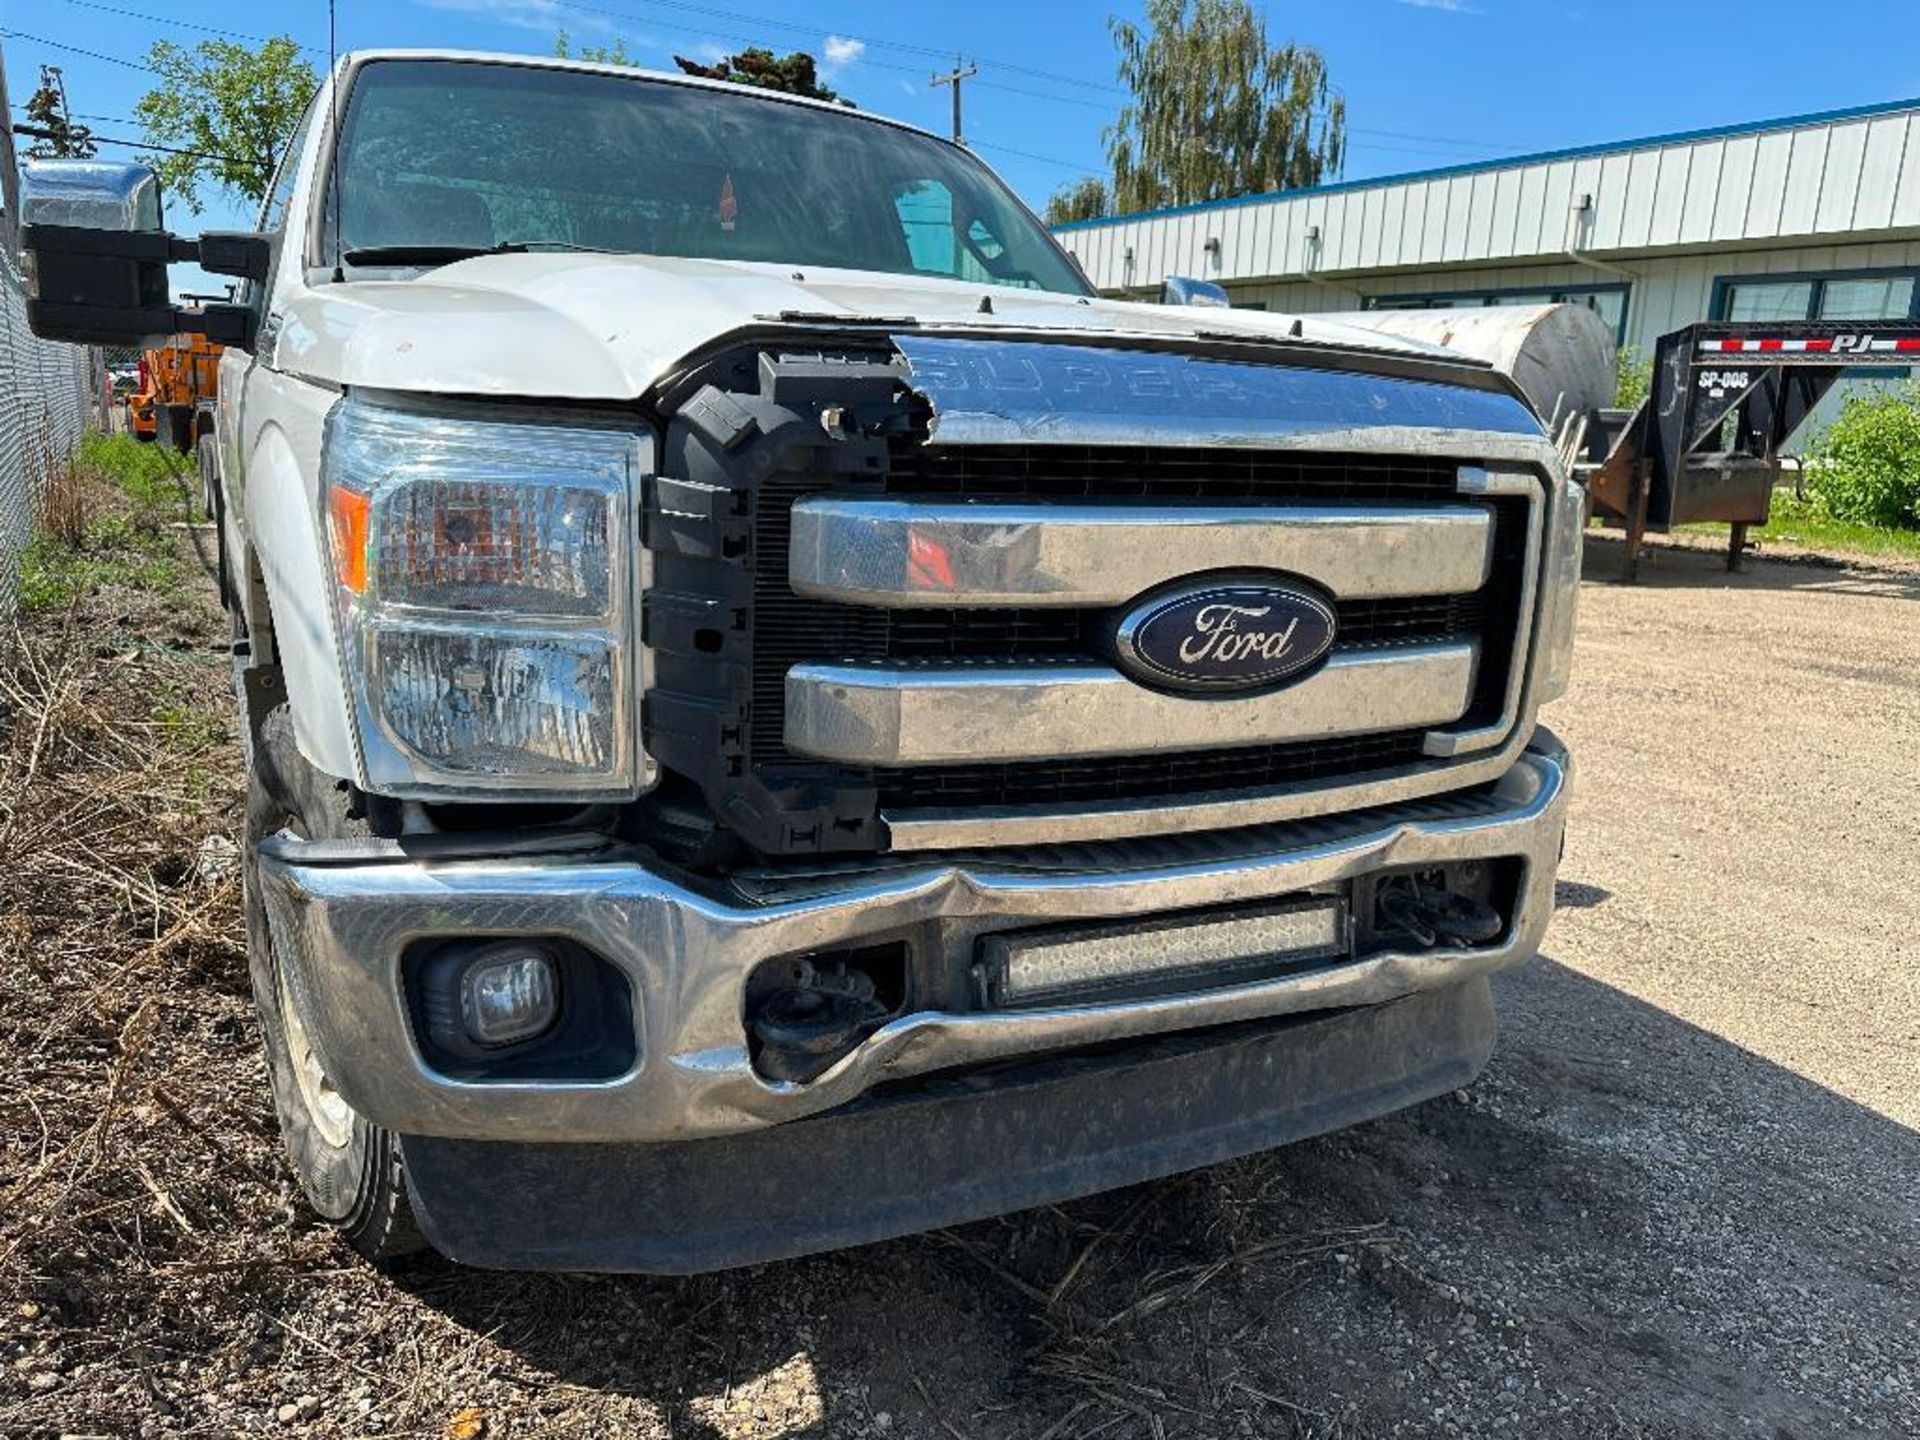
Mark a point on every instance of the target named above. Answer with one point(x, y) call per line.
point(482, 584)
point(1566, 543)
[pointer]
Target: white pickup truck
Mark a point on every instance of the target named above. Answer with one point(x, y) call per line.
point(778, 717)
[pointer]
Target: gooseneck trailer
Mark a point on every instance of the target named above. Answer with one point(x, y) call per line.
point(1707, 443)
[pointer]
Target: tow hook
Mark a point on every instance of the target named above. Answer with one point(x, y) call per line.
point(1429, 915)
point(804, 1027)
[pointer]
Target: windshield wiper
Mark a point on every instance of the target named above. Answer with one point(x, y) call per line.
point(413, 254)
point(447, 254)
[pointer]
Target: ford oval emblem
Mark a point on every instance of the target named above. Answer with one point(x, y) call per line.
point(1224, 635)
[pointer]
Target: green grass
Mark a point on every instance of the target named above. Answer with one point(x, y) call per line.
point(114, 550)
point(104, 523)
point(153, 474)
point(1803, 522)
point(188, 729)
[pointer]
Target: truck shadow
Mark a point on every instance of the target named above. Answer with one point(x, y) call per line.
point(1589, 1242)
point(1666, 566)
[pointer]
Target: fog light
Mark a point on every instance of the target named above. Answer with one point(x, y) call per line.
point(508, 993)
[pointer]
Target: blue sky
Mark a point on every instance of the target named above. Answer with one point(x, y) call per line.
point(1427, 82)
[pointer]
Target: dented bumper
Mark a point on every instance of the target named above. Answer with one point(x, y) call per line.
point(345, 913)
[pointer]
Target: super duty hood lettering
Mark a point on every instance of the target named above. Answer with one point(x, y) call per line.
point(985, 391)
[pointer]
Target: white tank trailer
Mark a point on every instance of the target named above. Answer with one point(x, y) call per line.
point(1561, 356)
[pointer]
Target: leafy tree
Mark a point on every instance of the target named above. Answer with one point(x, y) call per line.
point(1216, 110)
point(233, 107)
point(47, 108)
point(1085, 199)
point(614, 54)
point(793, 74)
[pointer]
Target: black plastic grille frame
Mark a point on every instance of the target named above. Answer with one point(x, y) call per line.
point(1155, 472)
point(1156, 776)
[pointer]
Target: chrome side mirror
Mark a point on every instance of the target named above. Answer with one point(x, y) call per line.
point(90, 194)
point(1185, 290)
point(75, 290)
point(96, 258)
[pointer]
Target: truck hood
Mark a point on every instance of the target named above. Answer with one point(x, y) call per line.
point(605, 327)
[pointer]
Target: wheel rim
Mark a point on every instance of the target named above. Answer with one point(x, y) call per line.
point(332, 1117)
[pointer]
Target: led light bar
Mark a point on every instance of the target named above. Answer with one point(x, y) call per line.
point(1161, 956)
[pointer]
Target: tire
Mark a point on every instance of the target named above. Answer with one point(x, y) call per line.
point(348, 1167)
point(207, 452)
point(180, 428)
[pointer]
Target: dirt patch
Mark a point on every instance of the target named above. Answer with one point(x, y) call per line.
point(1772, 549)
point(1679, 1203)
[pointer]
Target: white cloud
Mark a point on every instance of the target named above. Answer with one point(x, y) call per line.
point(1452, 7)
point(841, 52)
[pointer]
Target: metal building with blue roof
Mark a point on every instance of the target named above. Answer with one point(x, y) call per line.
point(1813, 217)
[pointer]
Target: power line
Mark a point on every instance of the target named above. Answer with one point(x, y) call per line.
point(1450, 142)
point(1101, 105)
point(41, 132)
point(184, 24)
point(76, 50)
point(1039, 159)
point(769, 22)
point(76, 115)
point(1422, 146)
point(1477, 147)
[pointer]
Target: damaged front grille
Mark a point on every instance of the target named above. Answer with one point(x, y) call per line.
point(726, 627)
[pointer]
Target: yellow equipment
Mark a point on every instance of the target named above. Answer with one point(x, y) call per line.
point(178, 382)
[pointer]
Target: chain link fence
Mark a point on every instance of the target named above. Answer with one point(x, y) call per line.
point(46, 391)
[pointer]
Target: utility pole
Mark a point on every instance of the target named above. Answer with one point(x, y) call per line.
point(961, 71)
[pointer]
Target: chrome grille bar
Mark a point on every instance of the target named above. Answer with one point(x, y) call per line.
point(892, 716)
point(902, 554)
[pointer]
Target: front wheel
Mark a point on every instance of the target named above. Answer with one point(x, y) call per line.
point(348, 1167)
point(207, 452)
point(180, 428)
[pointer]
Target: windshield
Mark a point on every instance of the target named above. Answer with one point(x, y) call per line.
point(440, 158)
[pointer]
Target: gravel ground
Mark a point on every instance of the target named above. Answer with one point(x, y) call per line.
point(1679, 1203)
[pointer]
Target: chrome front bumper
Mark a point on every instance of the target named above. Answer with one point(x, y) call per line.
point(343, 914)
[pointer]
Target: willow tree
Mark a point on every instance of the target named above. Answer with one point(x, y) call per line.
point(1216, 110)
point(1084, 199)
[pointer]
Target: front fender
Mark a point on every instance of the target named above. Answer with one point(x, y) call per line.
point(283, 535)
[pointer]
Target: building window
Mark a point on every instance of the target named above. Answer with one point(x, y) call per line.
point(1791, 301)
point(1609, 302)
point(1843, 295)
